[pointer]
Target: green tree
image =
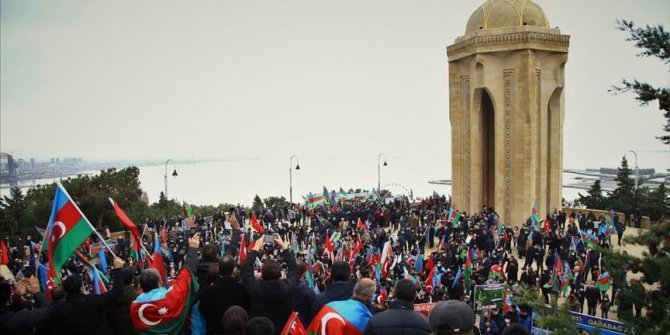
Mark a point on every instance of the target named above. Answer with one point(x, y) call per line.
point(624, 196)
point(13, 208)
point(276, 202)
point(657, 203)
point(654, 42)
point(654, 266)
point(257, 204)
point(594, 198)
point(555, 317)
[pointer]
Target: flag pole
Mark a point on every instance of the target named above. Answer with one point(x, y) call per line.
point(86, 219)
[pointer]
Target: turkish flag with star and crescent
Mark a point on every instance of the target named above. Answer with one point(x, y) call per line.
point(293, 326)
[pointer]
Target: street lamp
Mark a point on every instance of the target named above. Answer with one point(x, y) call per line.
point(637, 171)
point(174, 174)
point(379, 183)
point(290, 175)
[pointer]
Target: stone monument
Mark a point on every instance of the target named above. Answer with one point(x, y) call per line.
point(506, 98)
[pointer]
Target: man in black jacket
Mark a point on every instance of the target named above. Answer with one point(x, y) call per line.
point(118, 311)
point(400, 318)
point(340, 289)
point(85, 314)
point(228, 291)
point(271, 296)
point(17, 320)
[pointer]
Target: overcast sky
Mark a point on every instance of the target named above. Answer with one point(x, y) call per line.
point(158, 79)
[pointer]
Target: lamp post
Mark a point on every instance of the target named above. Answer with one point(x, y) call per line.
point(174, 174)
point(637, 171)
point(379, 182)
point(290, 175)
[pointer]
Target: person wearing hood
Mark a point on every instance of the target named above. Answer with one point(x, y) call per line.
point(271, 296)
point(340, 289)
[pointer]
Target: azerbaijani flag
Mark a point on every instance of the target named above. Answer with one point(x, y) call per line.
point(68, 228)
point(157, 259)
point(604, 282)
point(348, 317)
point(164, 310)
point(496, 272)
point(590, 239)
point(454, 216)
point(188, 210)
point(98, 285)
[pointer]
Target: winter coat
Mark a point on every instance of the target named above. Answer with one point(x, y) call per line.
point(216, 299)
point(303, 301)
point(271, 298)
point(23, 321)
point(85, 314)
point(118, 312)
point(399, 319)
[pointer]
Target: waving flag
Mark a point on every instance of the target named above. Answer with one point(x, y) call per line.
point(418, 267)
point(157, 261)
point(188, 210)
point(430, 281)
point(163, 310)
point(4, 252)
point(136, 241)
point(243, 249)
point(361, 225)
point(98, 285)
point(340, 318)
point(496, 272)
point(459, 274)
point(565, 279)
point(454, 217)
point(589, 239)
point(293, 326)
point(604, 281)
point(103, 260)
point(467, 270)
point(256, 225)
point(507, 302)
point(68, 228)
point(329, 246)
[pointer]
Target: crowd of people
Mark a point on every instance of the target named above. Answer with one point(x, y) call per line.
point(355, 267)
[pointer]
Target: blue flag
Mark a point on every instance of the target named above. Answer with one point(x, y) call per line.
point(459, 274)
point(103, 260)
point(419, 264)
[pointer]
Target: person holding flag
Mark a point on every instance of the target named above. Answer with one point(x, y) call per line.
point(271, 296)
point(163, 310)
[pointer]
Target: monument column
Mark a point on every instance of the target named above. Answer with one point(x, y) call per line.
point(506, 79)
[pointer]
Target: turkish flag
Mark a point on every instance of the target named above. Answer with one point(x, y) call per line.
point(256, 225)
point(293, 326)
point(243, 249)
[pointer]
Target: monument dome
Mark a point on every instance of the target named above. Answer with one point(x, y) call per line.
point(506, 13)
